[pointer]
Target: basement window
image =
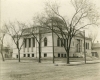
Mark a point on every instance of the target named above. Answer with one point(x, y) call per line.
point(45, 54)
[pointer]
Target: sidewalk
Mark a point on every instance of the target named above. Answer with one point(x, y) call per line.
point(77, 63)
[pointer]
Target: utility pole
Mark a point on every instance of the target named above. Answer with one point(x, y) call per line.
point(84, 48)
point(53, 41)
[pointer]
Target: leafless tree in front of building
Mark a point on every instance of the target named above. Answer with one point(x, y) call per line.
point(84, 15)
point(93, 36)
point(2, 35)
point(15, 30)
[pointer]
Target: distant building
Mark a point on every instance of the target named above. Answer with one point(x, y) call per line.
point(7, 52)
point(30, 47)
point(96, 50)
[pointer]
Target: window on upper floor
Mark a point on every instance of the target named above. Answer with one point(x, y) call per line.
point(25, 42)
point(29, 42)
point(33, 42)
point(45, 41)
point(58, 42)
point(62, 42)
point(65, 41)
point(86, 45)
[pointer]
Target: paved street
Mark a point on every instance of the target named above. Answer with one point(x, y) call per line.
point(31, 70)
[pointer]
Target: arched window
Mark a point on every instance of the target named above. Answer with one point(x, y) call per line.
point(45, 41)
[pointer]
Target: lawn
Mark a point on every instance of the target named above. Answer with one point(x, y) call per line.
point(31, 70)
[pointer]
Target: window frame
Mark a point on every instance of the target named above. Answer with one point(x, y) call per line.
point(29, 42)
point(58, 42)
point(58, 54)
point(45, 41)
point(33, 55)
point(25, 42)
point(24, 55)
point(28, 55)
point(45, 54)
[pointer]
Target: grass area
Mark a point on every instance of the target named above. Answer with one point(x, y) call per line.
point(57, 59)
point(32, 70)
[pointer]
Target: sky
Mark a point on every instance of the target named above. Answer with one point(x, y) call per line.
point(24, 10)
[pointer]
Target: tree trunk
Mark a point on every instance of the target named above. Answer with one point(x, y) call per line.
point(68, 56)
point(39, 43)
point(2, 52)
point(19, 55)
point(53, 42)
point(39, 53)
point(2, 56)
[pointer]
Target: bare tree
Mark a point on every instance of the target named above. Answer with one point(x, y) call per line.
point(15, 30)
point(93, 36)
point(37, 30)
point(34, 33)
point(85, 15)
point(2, 33)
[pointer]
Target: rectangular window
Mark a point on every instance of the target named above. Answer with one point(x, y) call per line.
point(58, 42)
point(92, 54)
point(28, 55)
point(24, 55)
point(86, 45)
point(45, 41)
point(16, 56)
point(62, 42)
point(64, 55)
point(45, 54)
point(65, 42)
point(61, 55)
point(58, 54)
point(29, 42)
point(25, 42)
point(32, 55)
point(33, 42)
